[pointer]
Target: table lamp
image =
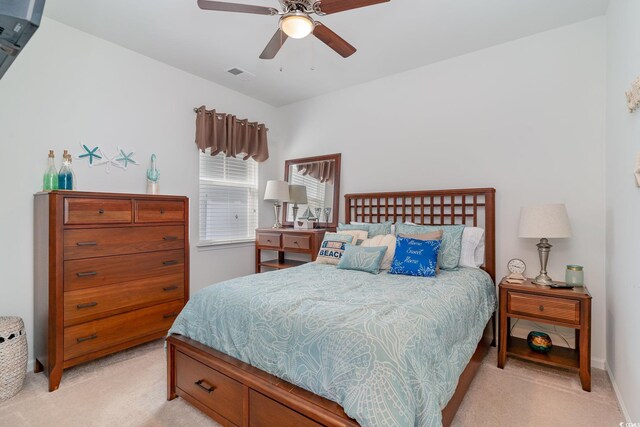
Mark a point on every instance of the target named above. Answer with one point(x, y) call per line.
point(278, 192)
point(544, 222)
point(297, 194)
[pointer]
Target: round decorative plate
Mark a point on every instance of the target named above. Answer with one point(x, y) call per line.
point(516, 265)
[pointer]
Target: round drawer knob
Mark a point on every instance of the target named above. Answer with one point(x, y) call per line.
point(541, 307)
point(100, 211)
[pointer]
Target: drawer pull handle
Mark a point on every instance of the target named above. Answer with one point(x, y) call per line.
point(161, 211)
point(268, 240)
point(87, 273)
point(87, 304)
point(205, 386)
point(100, 211)
point(172, 262)
point(296, 243)
point(168, 315)
point(90, 337)
point(170, 288)
point(541, 308)
point(87, 243)
point(170, 238)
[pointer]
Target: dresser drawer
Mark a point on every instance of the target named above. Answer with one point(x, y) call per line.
point(213, 389)
point(293, 241)
point(89, 243)
point(149, 211)
point(562, 310)
point(87, 304)
point(266, 412)
point(269, 240)
point(86, 273)
point(97, 211)
point(111, 331)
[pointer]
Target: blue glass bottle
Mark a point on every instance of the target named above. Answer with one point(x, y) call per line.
point(65, 177)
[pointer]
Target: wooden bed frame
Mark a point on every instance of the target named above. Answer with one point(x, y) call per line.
point(234, 393)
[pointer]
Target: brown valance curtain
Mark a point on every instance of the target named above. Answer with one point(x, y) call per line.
point(322, 171)
point(225, 133)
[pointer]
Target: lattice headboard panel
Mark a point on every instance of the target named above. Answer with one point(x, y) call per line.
point(474, 207)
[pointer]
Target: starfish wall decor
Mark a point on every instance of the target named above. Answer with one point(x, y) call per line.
point(97, 157)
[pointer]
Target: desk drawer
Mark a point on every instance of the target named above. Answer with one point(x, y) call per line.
point(296, 242)
point(108, 332)
point(83, 305)
point(270, 240)
point(87, 273)
point(159, 211)
point(89, 243)
point(213, 389)
point(97, 211)
point(562, 310)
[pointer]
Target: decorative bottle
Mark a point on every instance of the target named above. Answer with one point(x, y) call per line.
point(74, 181)
point(50, 180)
point(65, 178)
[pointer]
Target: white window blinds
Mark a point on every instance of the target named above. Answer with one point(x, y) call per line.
point(228, 198)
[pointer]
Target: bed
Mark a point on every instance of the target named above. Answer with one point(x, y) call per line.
point(281, 348)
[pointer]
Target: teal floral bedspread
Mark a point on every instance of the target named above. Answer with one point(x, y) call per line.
point(388, 348)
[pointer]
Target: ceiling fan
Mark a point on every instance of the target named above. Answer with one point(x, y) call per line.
point(296, 22)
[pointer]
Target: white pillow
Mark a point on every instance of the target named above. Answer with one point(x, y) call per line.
point(357, 234)
point(472, 250)
point(388, 240)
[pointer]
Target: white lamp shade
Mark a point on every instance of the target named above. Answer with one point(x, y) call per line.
point(277, 190)
point(544, 221)
point(298, 194)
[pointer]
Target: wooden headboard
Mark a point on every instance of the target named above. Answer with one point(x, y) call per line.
point(469, 206)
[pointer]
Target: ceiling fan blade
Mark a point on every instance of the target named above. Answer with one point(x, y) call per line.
point(333, 40)
point(235, 7)
point(335, 6)
point(274, 45)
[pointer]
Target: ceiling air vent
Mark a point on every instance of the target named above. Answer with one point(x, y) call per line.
point(240, 73)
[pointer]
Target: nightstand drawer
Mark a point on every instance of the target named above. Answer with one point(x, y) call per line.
point(271, 240)
point(291, 241)
point(562, 310)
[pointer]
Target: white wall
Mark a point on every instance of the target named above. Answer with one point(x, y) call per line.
point(67, 87)
point(526, 117)
point(623, 205)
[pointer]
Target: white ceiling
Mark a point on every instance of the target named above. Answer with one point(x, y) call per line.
point(390, 37)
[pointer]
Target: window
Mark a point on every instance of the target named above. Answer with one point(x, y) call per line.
point(228, 198)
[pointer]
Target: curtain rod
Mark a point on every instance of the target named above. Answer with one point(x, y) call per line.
point(197, 110)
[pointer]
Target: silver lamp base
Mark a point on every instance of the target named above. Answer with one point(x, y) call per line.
point(276, 210)
point(544, 280)
point(544, 248)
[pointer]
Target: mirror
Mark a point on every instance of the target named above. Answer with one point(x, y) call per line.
point(317, 189)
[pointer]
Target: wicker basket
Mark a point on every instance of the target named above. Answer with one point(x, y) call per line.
point(13, 356)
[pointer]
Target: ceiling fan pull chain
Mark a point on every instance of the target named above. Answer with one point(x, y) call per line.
point(313, 54)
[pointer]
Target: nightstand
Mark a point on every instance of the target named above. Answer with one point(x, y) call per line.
point(562, 307)
point(283, 240)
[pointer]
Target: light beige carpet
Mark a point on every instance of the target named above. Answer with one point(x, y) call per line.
point(128, 389)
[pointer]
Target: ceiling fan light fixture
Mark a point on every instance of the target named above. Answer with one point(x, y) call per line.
point(297, 25)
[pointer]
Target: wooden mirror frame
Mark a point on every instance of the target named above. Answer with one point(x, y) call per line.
point(336, 186)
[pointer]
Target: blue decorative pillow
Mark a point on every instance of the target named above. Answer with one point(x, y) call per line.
point(362, 258)
point(332, 247)
point(374, 229)
point(451, 241)
point(415, 257)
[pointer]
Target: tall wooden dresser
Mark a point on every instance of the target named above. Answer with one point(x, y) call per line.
point(111, 272)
